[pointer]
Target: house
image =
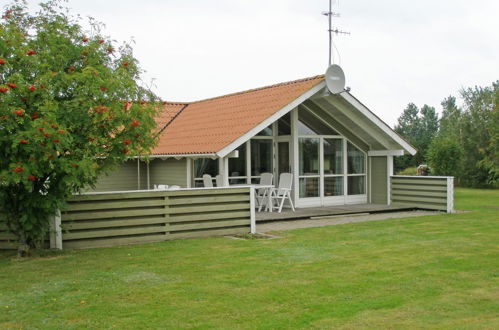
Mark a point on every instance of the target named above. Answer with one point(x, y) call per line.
point(337, 149)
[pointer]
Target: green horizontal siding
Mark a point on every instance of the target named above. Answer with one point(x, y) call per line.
point(170, 172)
point(123, 178)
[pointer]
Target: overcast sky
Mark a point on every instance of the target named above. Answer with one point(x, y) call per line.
point(398, 51)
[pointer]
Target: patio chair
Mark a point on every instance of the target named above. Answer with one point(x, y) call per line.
point(207, 181)
point(174, 187)
point(261, 194)
point(219, 180)
point(282, 192)
point(160, 187)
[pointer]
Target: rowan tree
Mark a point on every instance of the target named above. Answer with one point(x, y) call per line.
point(71, 108)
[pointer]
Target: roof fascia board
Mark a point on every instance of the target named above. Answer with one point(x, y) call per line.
point(378, 122)
point(255, 130)
point(211, 155)
point(373, 153)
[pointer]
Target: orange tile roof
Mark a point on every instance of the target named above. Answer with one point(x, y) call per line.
point(207, 126)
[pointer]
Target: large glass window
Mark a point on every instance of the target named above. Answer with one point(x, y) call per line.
point(356, 164)
point(333, 186)
point(355, 160)
point(284, 125)
point(237, 167)
point(309, 167)
point(261, 156)
point(267, 131)
point(333, 156)
point(356, 185)
point(309, 124)
point(309, 156)
point(204, 166)
point(309, 187)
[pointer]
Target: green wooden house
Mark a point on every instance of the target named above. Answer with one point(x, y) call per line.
point(338, 150)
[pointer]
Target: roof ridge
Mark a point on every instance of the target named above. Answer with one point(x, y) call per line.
point(252, 90)
point(260, 88)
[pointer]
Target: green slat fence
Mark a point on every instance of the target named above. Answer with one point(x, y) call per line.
point(425, 192)
point(118, 218)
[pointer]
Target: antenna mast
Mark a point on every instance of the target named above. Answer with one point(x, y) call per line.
point(330, 14)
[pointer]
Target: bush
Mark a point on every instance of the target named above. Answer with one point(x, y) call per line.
point(445, 156)
point(408, 171)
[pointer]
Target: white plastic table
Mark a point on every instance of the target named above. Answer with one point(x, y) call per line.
point(268, 189)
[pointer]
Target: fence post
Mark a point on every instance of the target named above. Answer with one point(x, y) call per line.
point(450, 194)
point(252, 211)
point(56, 231)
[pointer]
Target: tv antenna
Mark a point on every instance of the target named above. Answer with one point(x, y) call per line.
point(330, 14)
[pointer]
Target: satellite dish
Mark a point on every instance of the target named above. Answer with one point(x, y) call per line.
point(335, 79)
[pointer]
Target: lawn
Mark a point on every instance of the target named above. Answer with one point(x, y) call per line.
point(438, 271)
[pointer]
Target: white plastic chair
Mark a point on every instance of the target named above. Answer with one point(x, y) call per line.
point(174, 187)
point(219, 180)
point(207, 181)
point(161, 187)
point(262, 193)
point(282, 192)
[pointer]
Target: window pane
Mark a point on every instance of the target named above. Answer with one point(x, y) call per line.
point(356, 160)
point(261, 157)
point(357, 185)
point(309, 187)
point(309, 124)
point(333, 156)
point(266, 131)
point(237, 166)
point(237, 181)
point(309, 156)
point(284, 125)
point(205, 166)
point(333, 186)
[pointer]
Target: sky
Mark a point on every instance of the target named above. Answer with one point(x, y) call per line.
point(398, 51)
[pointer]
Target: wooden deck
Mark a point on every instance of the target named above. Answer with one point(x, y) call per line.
point(312, 212)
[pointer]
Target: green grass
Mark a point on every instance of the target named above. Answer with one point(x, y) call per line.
point(437, 271)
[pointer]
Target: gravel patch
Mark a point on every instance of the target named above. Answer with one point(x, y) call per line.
point(336, 220)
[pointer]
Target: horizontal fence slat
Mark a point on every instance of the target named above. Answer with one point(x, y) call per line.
point(418, 187)
point(120, 195)
point(417, 199)
point(405, 192)
point(212, 232)
point(174, 218)
point(94, 224)
point(208, 224)
point(110, 214)
point(112, 241)
point(204, 200)
point(430, 206)
point(208, 208)
point(105, 204)
point(417, 181)
point(113, 232)
point(208, 192)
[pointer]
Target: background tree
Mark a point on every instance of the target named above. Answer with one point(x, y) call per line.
point(70, 109)
point(418, 128)
point(478, 135)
